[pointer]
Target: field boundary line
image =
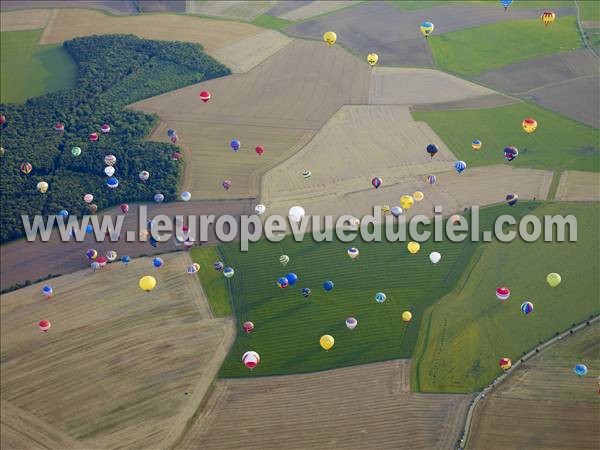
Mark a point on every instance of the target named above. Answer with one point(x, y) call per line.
point(464, 441)
point(582, 31)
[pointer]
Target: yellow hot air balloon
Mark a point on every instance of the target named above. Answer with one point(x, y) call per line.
point(326, 341)
point(147, 283)
point(548, 17)
point(372, 58)
point(330, 37)
point(42, 186)
point(385, 209)
point(413, 247)
point(406, 316)
point(418, 196)
point(427, 28)
point(406, 201)
point(529, 125)
point(553, 279)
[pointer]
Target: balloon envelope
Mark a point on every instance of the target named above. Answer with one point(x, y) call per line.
point(431, 179)
point(328, 285)
point(413, 247)
point(529, 125)
point(44, 325)
point(460, 166)
point(580, 370)
point(284, 259)
point(326, 341)
point(435, 257)
point(235, 145)
point(282, 282)
point(526, 307)
point(76, 151)
point(372, 58)
point(88, 198)
point(248, 326)
point(204, 96)
point(228, 272)
point(250, 359)
point(427, 28)
point(376, 182)
point(406, 316)
point(503, 293)
point(186, 196)
point(305, 292)
point(553, 279)
point(296, 213)
point(147, 283)
point(259, 150)
point(406, 201)
point(330, 37)
point(380, 297)
point(505, 363)
point(42, 186)
point(353, 252)
point(124, 208)
point(292, 278)
point(260, 209)
point(218, 266)
point(351, 323)
point(476, 144)
point(109, 171)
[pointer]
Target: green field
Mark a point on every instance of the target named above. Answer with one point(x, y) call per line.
point(413, 5)
point(213, 282)
point(464, 334)
point(558, 142)
point(28, 69)
point(475, 50)
point(288, 326)
point(589, 10)
point(266, 21)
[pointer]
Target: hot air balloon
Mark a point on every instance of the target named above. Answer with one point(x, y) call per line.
point(283, 282)
point(553, 279)
point(94, 266)
point(259, 149)
point(176, 156)
point(204, 96)
point(112, 183)
point(330, 37)
point(2, 119)
point(292, 278)
point(351, 323)
point(505, 363)
point(372, 59)
point(250, 359)
point(396, 211)
point(406, 316)
point(60, 127)
point(125, 259)
point(413, 247)
point(171, 132)
point(380, 297)
point(418, 196)
point(124, 208)
point(91, 254)
point(526, 307)
point(353, 252)
point(406, 201)
point(354, 223)
point(2, 151)
point(144, 175)
point(102, 260)
point(376, 182)
point(248, 327)
point(510, 153)
point(159, 198)
point(174, 139)
point(110, 160)
point(63, 213)
point(105, 128)
point(503, 293)
point(109, 171)
point(284, 260)
point(432, 149)
point(147, 283)
point(26, 168)
point(460, 166)
point(431, 179)
point(93, 137)
point(306, 174)
point(580, 370)
point(88, 198)
point(75, 151)
point(111, 255)
point(296, 213)
point(189, 243)
point(158, 262)
point(186, 196)
point(435, 257)
point(427, 28)
point(326, 341)
point(385, 209)
point(144, 235)
point(226, 184)
point(228, 272)
point(506, 3)
point(47, 291)
point(193, 268)
point(42, 187)
point(44, 325)
point(260, 209)
point(476, 144)
point(548, 17)
point(218, 266)
point(89, 229)
point(235, 145)
point(305, 292)
point(328, 285)
point(529, 125)
point(455, 219)
point(512, 199)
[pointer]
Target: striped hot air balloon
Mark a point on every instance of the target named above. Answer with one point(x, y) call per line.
point(460, 166)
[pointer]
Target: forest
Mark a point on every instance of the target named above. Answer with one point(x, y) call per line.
point(113, 71)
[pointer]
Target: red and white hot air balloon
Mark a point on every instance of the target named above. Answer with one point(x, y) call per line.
point(205, 96)
point(248, 327)
point(503, 293)
point(59, 126)
point(105, 128)
point(94, 137)
point(250, 359)
point(44, 325)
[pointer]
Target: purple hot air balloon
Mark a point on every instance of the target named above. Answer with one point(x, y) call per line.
point(235, 145)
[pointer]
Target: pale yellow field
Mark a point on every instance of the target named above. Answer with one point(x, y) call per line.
point(233, 9)
point(31, 19)
point(368, 406)
point(579, 186)
point(243, 55)
point(212, 34)
point(119, 367)
point(404, 86)
point(316, 8)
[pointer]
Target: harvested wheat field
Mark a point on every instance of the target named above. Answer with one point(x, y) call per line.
point(550, 407)
point(278, 104)
point(320, 411)
point(316, 8)
point(120, 367)
point(32, 19)
point(243, 55)
point(120, 7)
point(579, 186)
point(405, 86)
point(212, 34)
point(231, 9)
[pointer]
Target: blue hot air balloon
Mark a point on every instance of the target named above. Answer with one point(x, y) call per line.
point(328, 285)
point(506, 3)
point(89, 229)
point(460, 166)
point(125, 259)
point(306, 292)
point(63, 213)
point(158, 262)
point(158, 198)
point(112, 183)
point(380, 297)
point(235, 145)
point(218, 266)
point(432, 149)
point(282, 282)
point(47, 291)
point(580, 370)
point(292, 278)
point(431, 179)
point(153, 242)
point(526, 307)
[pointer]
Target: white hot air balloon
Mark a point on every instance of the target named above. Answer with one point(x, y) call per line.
point(435, 257)
point(260, 209)
point(351, 323)
point(186, 196)
point(284, 260)
point(109, 171)
point(296, 214)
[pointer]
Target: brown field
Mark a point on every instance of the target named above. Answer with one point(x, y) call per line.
point(316, 8)
point(112, 6)
point(359, 407)
point(544, 405)
point(579, 186)
point(153, 6)
point(32, 19)
point(212, 34)
point(243, 55)
point(22, 260)
point(231, 9)
point(119, 367)
point(278, 105)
